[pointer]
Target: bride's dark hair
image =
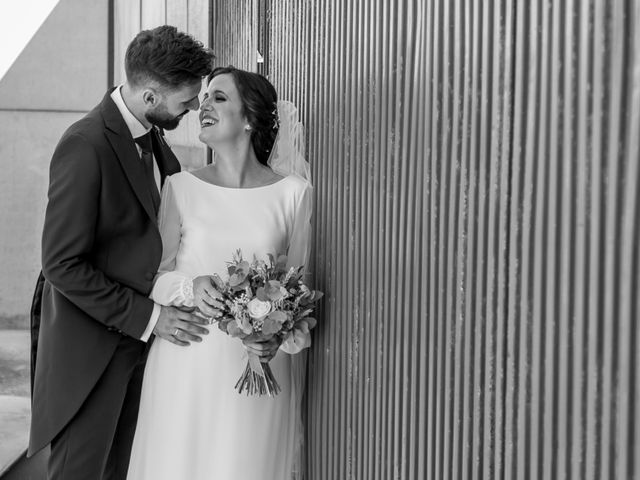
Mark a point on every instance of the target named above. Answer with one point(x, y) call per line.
point(259, 100)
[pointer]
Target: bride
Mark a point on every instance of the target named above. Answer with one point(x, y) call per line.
point(192, 423)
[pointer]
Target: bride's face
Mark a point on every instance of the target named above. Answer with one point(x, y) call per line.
point(221, 118)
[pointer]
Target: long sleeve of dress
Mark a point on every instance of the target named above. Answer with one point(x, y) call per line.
point(299, 242)
point(298, 254)
point(171, 287)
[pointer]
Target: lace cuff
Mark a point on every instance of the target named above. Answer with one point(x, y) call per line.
point(186, 291)
point(173, 288)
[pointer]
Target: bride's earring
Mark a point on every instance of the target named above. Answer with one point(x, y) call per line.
point(247, 128)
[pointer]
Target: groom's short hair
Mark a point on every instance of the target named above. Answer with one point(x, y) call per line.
point(168, 57)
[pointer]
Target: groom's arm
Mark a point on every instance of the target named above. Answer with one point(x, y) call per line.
point(69, 239)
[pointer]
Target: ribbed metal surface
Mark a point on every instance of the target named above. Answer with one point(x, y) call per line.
point(476, 232)
point(234, 33)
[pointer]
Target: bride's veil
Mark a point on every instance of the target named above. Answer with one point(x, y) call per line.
point(287, 155)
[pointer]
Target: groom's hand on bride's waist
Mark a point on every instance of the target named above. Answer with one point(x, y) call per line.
point(180, 326)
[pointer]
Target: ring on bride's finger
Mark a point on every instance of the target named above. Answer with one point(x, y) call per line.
point(175, 334)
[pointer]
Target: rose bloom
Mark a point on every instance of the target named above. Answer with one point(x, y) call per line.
point(258, 309)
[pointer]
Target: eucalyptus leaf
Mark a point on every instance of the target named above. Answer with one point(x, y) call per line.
point(270, 326)
point(234, 331)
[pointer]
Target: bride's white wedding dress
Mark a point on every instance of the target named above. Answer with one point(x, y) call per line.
point(193, 424)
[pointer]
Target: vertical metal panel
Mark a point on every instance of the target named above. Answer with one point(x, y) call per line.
point(153, 13)
point(126, 25)
point(234, 33)
point(627, 396)
point(572, 92)
point(476, 231)
point(177, 14)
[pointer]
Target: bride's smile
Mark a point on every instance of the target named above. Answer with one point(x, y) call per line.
point(207, 121)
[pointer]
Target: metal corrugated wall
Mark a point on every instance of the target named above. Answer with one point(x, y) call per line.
point(476, 232)
point(234, 33)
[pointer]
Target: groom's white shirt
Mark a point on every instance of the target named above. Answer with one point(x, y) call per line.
point(137, 130)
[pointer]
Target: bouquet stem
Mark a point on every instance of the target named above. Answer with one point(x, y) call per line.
point(258, 379)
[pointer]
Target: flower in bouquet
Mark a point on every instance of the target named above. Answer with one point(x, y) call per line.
point(265, 299)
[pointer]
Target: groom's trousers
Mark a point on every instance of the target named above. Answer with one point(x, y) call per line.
point(96, 443)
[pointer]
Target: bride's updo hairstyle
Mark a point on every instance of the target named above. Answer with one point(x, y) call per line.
point(259, 100)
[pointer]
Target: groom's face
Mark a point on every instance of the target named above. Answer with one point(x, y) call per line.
point(172, 105)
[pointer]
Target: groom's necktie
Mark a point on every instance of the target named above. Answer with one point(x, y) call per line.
point(146, 144)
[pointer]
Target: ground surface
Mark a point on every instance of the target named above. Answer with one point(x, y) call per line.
point(14, 394)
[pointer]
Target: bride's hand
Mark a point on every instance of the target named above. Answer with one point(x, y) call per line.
point(206, 298)
point(265, 350)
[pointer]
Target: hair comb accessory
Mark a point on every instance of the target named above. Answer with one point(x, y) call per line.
point(276, 119)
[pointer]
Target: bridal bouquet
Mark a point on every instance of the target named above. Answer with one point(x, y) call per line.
point(263, 300)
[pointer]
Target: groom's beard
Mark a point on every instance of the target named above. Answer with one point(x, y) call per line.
point(163, 120)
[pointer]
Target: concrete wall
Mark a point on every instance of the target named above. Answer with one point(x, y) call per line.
point(60, 75)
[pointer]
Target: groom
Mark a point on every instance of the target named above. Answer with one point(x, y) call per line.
point(100, 251)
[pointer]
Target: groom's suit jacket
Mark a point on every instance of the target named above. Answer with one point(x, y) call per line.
point(100, 251)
